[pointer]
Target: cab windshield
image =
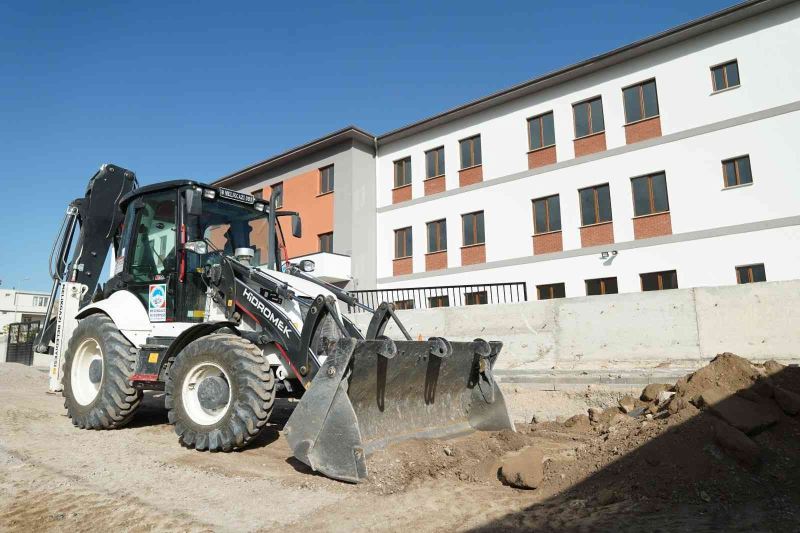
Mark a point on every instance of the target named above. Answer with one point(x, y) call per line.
point(230, 225)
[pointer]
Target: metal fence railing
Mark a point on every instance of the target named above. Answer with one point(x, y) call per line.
point(444, 296)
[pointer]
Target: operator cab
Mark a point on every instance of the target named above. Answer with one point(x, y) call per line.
point(173, 232)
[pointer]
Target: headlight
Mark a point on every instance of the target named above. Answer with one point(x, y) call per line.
point(209, 193)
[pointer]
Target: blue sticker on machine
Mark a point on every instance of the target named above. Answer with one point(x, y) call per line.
point(157, 303)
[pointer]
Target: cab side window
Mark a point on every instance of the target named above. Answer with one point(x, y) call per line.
point(153, 255)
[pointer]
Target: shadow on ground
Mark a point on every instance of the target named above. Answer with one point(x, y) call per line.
point(726, 459)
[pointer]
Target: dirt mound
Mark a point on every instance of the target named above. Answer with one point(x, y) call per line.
point(716, 438)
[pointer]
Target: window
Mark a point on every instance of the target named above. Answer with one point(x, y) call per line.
point(659, 281)
point(277, 195)
point(39, 301)
point(326, 242)
point(258, 194)
point(588, 117)
point(546, 214)
point(601, 286)
point(553, 290)
point(402, 243)
point(437, 236)
point(404, 304)
point(595, 205)
point(541, 131)
point(650, 194)
point(470, 152)
point(402, 172)
point(737, 171)
point(439, 301)
point(725, 76)
point(476, 298)
point(326, 179)
point(434, 162)
point(641, 101)
point(473, 228)
point(750, 274)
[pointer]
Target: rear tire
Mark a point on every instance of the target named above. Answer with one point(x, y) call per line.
point(98, 366)
point(225, 422)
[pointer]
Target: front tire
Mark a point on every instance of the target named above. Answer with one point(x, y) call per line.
point(97, 369)
point(219, 393)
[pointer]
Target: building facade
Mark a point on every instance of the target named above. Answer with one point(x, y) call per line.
point(667, 163)
point(21, 306)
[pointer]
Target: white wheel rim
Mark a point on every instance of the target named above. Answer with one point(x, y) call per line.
point(189, 394)
point(83, 390)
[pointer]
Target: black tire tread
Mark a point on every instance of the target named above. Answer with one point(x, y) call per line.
point(117, 400)
point(249, 412)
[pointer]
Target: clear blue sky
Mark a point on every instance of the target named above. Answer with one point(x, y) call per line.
point(199, 89)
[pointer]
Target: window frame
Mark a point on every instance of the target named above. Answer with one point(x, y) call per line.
point(547, 214)
point(735, 161)
point(539, 117)
point(471, 140)
point(749, 270)
point(403, 304)
point(441, 172)
point(596, 197)
point(650, 177)
point(258, 194)
point(323, 180)
point(551, 288)
point(660, 277)
point(603, 285)
point(320, 237)
point(439, 235)
point(411, 251)
point(588, 102)
point(640, 85)
point(474, 228)
point(724, 66)
point(272, 189)
point(406, 165)
point(478, 296)
point(440, 298)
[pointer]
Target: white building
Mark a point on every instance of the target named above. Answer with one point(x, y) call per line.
point(680, 146)
point(719, 89)
point(21, 306)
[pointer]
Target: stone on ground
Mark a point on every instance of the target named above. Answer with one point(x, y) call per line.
point(744, 415)
point(579, 421)
point(773, 367)
point(627, 403)
point(523, 469)
point(651, 391)
point(787, 400)
point(736, 443)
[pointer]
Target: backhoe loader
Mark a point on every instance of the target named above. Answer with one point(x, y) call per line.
point(191, 309)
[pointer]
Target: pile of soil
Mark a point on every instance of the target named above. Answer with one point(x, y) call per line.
point(726, 435)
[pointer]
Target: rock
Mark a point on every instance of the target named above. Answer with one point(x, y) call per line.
point(736, 443)
point(704, 496)
point(534, 420)
point(627, 403)
point(577, 421)
point(650, 392)
point(788, 401)
point(523, 469)
point(744, 415)
point(652, 409)
point(606, 496)
point(618, 419)
point(594, 414)
point(664, 396)
point(773, 367)
point(639, 411)
point(648, 416)
point(448, 451)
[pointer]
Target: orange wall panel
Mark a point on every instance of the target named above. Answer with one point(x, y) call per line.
point(301, 194)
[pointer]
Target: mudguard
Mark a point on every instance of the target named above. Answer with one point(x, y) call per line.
point(372, 393)
point(127, 312)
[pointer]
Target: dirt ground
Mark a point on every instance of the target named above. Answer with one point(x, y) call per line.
point(669, 471)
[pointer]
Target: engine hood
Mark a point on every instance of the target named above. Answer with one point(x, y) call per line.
point(300, 286)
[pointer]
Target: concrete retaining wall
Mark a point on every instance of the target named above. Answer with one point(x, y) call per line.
point(657, 334)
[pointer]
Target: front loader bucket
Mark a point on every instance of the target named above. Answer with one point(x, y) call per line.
point(371, 393)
